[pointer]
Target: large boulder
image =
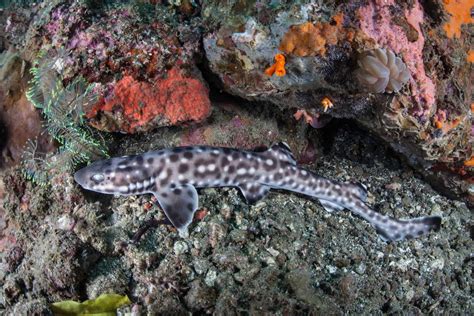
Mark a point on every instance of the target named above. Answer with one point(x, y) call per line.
point(429, 120)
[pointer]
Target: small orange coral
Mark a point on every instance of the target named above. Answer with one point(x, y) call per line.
point(310, 39)
point(470, 162)
point(326, 103)
point(278, 68)
point(460, 11)
point(303, 114)
point(440, 121)
point(470, 56)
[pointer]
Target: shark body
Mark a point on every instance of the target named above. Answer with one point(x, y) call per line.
point(173, 175)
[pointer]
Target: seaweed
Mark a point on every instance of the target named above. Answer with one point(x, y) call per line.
point(63, 110)
point(105, 304)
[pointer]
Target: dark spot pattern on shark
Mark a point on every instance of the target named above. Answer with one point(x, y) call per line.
point(173, 175)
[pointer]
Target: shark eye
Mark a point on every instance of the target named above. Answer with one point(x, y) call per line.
point(98, 177)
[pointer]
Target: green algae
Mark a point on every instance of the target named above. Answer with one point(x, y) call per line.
point(104, 305)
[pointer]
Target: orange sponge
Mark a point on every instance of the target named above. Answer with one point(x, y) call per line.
point(310, 39)
point(278, 68)
point(460, 11)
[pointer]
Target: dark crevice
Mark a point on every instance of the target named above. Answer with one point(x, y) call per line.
point(3, 141)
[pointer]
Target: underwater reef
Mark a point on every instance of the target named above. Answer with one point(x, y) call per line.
point(375, 92)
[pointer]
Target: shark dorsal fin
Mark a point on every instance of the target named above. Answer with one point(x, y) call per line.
point(282, 152)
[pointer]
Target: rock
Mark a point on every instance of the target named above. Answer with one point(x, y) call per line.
point(60, 262)
point(180, 247)
point(217, 232)
point(166, 305)
point(226, 298)
point(432, 111)
point(140, 57)
point(200, 266)
point(57, 264)
point(361, 267)
point(108, 276)
point(32, 307)
point(300, 283)
point(199, 296)
point(211, 278)
point(19, 120)
point(347, 288)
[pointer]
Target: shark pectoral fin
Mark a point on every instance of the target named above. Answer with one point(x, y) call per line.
point(253, 192)
point(179, 205)
point(330, 206)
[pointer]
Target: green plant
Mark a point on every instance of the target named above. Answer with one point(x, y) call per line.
point(63, 110)
point(104, 305)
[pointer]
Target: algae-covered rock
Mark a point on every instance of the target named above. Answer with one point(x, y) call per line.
point(429, 121)
point(33, 307)
point(139, 55)
point(109, 276)
point(200, 297)
point(56, 263)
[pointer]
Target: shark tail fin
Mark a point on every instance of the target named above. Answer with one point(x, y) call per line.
point(395, 230)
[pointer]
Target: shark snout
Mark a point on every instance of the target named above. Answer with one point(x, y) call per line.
point(81, 177)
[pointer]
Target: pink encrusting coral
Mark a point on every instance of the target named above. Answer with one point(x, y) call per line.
point(136, 106)
point(378, 22)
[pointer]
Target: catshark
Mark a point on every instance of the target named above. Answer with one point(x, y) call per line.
point(173, 175)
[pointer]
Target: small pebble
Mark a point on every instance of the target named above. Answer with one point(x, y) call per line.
point(360, 269)
point(180, 247)
point(210, 278)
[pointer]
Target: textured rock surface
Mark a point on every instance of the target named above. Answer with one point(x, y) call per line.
point(19, 121)
point(430, 122)
point(141, 56)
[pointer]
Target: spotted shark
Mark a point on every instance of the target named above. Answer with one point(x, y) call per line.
point(173, 175)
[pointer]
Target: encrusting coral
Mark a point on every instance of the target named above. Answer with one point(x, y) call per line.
point(138, 106)
point(381, 71)
point(378, 22)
